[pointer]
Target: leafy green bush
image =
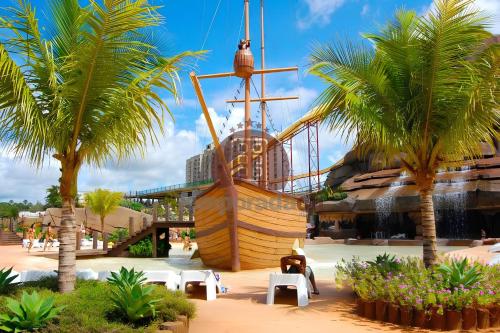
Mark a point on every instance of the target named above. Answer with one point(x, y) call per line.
point(117, 234)
point(385, 264)
point(329, 193)
point(191, 233)
point(143, 248)
point(32, 312)
point(6, 280)
point(137, 206)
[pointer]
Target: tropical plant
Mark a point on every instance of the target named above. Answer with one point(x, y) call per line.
point(143, 248)
point(6, 278)
point(103, 202)
point(137, 206)
point(82, 90)
point(385, 264)
point(126, 278)
point(426, 93)
point(118, 234)
point(135, 301)
point(329, 193)
point(459, 273)
point(53, 198)
point(31, 313)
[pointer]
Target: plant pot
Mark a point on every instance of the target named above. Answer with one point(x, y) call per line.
point(483, 318)
point(453, 320)
point(494, 316)
point(370, 310)
point(406, 313)
point(393, 313)
point(381, 310)
point(469, 318)
point(360, 307)
point(419, 318)
point(437, 320)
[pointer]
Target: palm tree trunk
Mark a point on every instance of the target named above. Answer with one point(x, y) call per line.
point(428, 226)
point(102, 226)
point(67, 232)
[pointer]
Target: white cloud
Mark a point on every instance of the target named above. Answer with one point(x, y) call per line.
point(492, 9)
point(162, 164)
point(365, 9)
point(319, 12)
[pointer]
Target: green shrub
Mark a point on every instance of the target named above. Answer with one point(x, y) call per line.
point(143, 248)
point(6, 280)
point(191, 233)
point(329, 193)
point(137, 206)
point(117, 234)
point(32, 312)
point(385, 264)
point(135, 301)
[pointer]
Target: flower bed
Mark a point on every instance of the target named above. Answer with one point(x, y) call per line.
point(452, 295)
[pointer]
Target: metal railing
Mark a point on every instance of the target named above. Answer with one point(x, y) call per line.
point(172, 188)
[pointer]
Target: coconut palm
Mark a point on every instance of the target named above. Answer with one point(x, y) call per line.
point(103, 202)
point(425, 92)
point(86, 91)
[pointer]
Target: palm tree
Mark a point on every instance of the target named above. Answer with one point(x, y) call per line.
point(103, 202)
point(88, 92)
point(426, 92)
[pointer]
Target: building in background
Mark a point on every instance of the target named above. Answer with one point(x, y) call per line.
point(199, 167)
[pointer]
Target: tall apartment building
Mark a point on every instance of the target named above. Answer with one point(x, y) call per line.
point(199, 167)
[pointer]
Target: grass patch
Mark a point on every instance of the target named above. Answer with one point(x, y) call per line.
point(90, 310)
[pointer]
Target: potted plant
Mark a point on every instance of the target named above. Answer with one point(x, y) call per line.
point(453, 311)
point(381, 302)
point(469, 313)
point(483, 313)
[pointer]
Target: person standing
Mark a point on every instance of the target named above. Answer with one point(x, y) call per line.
point(49, 237)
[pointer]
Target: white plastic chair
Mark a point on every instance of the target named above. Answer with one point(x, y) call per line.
point(27, 276)
point(297, 280)
point(169, 278)
point(87, 274)
point(206, 277)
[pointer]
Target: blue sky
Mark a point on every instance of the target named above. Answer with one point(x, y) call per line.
point(292, 28)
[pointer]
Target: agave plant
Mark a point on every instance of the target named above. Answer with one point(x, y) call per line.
point(385, 263)
point(134, 301)
point(6, 279)
point(459, 273)
point(126, 278)
point(33, 312)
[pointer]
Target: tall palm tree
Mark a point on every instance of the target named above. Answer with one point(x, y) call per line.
point(426, 91)
point(103, 202)
point(85, 92)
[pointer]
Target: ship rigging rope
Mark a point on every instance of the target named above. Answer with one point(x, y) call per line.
point(209, 28)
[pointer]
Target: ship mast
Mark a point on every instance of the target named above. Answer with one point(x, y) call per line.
point(248, 117)
point(263, 104)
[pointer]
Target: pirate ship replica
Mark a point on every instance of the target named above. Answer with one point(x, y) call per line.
point(240, 223)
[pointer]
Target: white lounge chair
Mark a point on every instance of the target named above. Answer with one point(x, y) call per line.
point(103, 275)
point(169, 278)
point(27, 276)
point(18, 277)
point(206, 277)
point(297, 280)
point(495, 248)
point(87, 274)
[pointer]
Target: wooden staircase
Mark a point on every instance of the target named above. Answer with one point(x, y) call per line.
point(9, 238)
point(122, 246)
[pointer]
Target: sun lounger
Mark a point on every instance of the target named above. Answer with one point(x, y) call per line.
point(87, 274)
point(169, 278)
point(495, 248)
point(206, 277)
point(297, 280)
point(27, 276)
point(36, 243)
point(103, 275)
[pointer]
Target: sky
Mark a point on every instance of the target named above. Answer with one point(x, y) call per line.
point(292, 27)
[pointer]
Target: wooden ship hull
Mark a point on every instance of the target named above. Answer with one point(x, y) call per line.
point(243, 226)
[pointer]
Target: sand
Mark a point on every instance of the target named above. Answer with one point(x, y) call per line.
point(244, 308)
